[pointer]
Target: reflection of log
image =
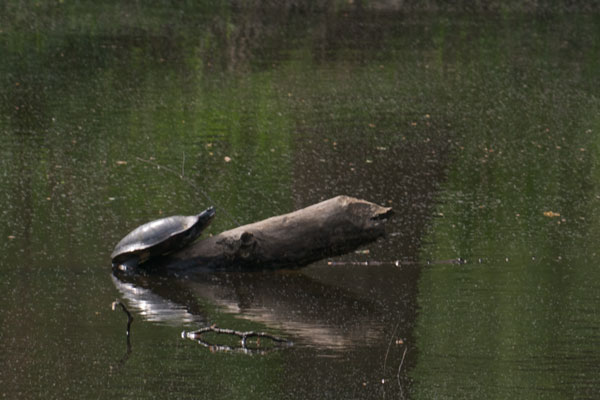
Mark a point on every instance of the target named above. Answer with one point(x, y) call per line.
point(332, 227)
point(300, 308)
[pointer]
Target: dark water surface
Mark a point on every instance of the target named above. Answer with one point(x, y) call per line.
point(479, 128)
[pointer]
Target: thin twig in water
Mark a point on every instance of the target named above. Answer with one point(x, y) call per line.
point(400, 366)
point(398, 373)
point(197, 335)
point(129, 321)
point(389, 346)
point(126, 311)
point(214, 348)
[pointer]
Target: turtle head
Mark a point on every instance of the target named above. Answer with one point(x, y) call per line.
point(205, 218)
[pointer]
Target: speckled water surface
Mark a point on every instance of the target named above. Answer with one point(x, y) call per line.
point(478, 125)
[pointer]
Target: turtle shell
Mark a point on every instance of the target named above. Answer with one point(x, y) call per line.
point(161, 236)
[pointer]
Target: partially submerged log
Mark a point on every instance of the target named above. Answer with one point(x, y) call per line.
point(332, 227)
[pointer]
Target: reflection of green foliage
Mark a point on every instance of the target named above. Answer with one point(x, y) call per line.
point(76, 103)
point(87, 84)
point(102, 17)
point(526, 147)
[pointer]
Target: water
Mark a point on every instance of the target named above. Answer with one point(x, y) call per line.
point(479, 128)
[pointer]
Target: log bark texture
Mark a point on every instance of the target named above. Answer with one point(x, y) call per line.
point(332, 227)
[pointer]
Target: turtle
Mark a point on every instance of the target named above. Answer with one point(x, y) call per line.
point(159, 237)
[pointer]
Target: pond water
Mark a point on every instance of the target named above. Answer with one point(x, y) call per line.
point(480, 128)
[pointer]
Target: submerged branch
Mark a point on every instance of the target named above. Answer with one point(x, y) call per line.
point(197, 335)
point(128, 332)
point(126, 311)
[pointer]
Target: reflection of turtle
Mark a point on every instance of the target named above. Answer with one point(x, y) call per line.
point(159, 237)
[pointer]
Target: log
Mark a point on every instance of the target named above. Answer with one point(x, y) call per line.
point(330, 228)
